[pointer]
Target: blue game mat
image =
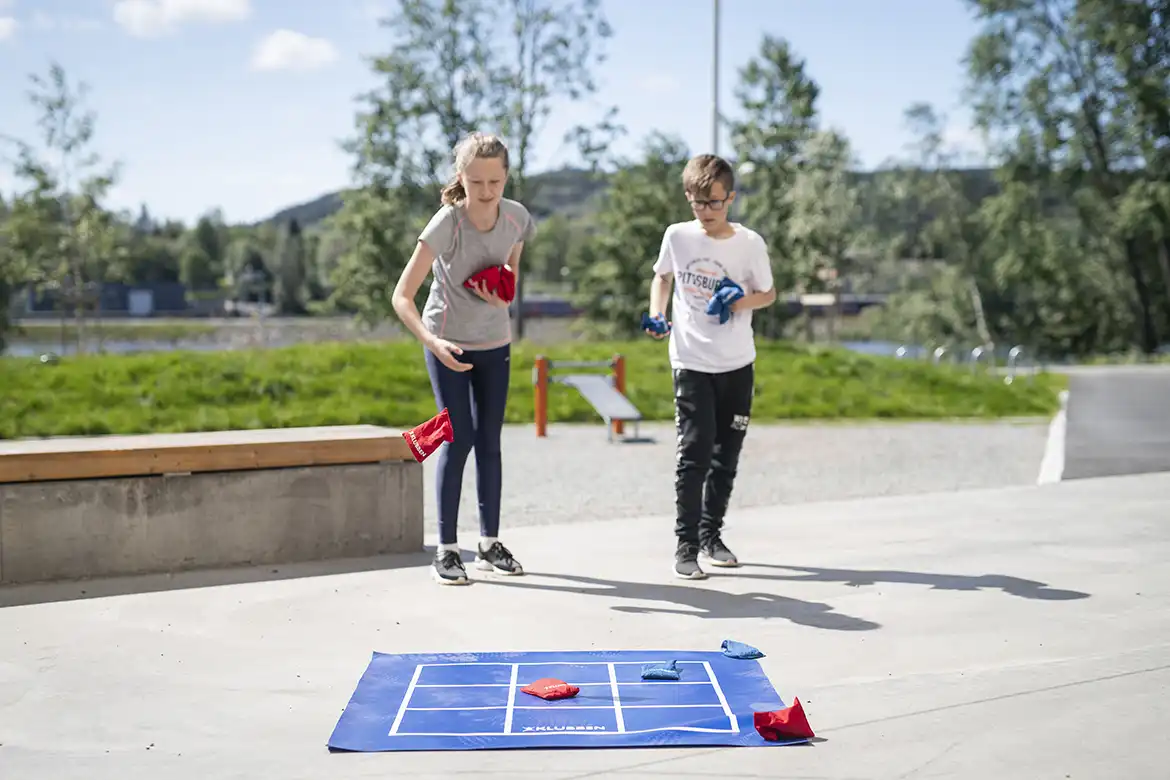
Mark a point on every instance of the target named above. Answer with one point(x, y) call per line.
point(473, 701)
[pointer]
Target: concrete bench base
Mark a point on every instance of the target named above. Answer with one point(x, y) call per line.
point(75, 529)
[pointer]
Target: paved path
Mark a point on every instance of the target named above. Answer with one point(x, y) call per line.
point(1015, 633)
point(1118, 422)
point(574, 475)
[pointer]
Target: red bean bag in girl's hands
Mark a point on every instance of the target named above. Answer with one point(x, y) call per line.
point(424, 439)
point(547, 688)
point(497, 279)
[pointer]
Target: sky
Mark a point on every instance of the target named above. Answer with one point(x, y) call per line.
point(240, 105)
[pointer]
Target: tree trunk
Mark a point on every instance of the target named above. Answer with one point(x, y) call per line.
point(1164, 262)
point(980, 316)
point(1148, 334)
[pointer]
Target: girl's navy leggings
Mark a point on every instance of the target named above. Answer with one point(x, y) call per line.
point(475, 400)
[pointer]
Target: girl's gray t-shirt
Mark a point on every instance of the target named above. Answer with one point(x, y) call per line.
point(452, 311)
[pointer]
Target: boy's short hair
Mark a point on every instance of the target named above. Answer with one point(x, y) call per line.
point(703, 171)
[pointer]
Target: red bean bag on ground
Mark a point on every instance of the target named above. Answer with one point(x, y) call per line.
point(547, 688)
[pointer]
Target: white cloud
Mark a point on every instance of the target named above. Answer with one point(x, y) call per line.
point(7, 27)
point(290, 50)
point(149, 18)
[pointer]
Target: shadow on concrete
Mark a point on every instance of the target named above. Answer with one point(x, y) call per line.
point(856, 578)
point(694, 601)
point(48, 592)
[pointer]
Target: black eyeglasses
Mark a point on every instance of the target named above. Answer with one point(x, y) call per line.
point(713, 205)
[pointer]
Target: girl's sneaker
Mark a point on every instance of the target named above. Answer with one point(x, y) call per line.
point(448, 568)
point(497, 558)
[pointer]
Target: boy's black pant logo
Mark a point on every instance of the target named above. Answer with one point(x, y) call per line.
point(739, 422)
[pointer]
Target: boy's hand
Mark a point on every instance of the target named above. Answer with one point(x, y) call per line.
point(657, 326)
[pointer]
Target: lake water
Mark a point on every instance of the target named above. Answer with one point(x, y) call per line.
point(201, 336)
point(127, 346)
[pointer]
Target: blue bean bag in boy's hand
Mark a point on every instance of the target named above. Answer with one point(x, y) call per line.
point(733, 649)
point(661, 671)
point(727, 293)
point(656, 324)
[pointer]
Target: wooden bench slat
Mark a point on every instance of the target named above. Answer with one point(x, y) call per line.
point(90, 457)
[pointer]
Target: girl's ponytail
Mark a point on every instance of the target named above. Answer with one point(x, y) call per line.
point(453, 192)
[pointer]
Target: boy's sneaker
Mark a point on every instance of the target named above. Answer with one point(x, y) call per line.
point(686, 562)
point(497, 558)
point(448, 568)
point(716, 553)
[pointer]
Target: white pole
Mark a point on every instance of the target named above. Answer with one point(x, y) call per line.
point(715, 81)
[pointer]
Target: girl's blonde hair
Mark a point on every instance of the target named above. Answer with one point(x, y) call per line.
point(475, 145)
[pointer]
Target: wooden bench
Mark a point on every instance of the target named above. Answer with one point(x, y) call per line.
point(79, 507)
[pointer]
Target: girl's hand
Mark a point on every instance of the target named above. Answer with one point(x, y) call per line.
point(445, 351)
point(495, 300)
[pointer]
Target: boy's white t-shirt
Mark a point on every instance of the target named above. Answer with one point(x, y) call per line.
point(698, 262)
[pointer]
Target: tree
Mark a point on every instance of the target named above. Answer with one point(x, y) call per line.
point(202, 253)
point(380, 237)
point(331, 245)
point(936, 222)
point(825, 225)
point(1002, 265)
point(435, 84)
point(25, 232)
point(1136, 37)
point(444, 76)
point(778, 115)
point(291, 261)
point(548, 253)
point(59, 235)
point(554, 52)
point(613, 270)
point(1076, 92)
point(1051, 282)
point(195, 268)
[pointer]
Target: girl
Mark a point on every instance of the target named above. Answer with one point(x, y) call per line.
point(467, 338)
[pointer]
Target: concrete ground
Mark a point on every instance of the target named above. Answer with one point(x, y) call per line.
point(1118, 421)
point(1019, 632)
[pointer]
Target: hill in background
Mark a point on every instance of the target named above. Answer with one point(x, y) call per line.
point(575, 193)
point(567, 191)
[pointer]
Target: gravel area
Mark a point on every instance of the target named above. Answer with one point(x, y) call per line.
point(574, 475)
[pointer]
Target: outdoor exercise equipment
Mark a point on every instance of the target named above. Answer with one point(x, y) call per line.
point(606, 394)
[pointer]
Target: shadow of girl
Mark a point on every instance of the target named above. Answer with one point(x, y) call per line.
point(698, 602)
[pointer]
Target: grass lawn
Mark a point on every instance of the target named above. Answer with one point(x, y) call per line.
point(386, 384)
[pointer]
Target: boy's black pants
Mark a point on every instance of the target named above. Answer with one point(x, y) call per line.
point(711, 416)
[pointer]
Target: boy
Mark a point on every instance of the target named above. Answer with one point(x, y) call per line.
point(712, 359)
